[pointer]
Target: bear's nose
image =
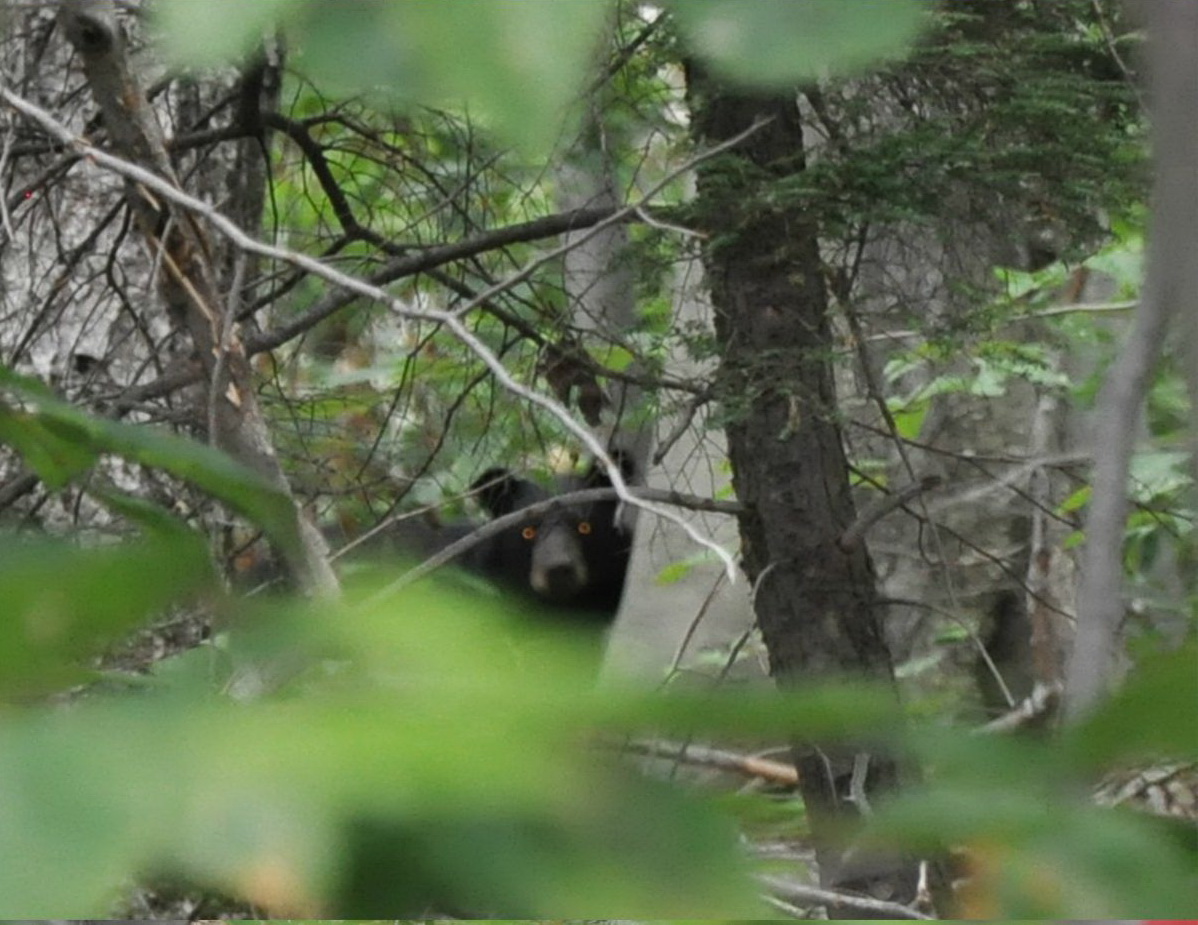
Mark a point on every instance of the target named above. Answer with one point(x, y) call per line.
point(562, 580)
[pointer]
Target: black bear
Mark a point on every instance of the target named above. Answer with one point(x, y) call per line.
point(569, 561)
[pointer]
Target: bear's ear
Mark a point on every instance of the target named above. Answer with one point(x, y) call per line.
point(596, 476)
point(496, 490)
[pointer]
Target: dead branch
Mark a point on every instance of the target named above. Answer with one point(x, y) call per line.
point(452, 320)
point(791, 891)
point(883, 506)
point(776, 772)
point(187, 281)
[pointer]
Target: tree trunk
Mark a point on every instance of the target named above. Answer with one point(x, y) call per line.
point(815, 601)
point(188, 280)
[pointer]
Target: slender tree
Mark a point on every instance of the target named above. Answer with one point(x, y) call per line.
point(195, 295)
point(814, 596)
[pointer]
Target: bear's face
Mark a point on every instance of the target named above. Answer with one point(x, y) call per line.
point(573, 557)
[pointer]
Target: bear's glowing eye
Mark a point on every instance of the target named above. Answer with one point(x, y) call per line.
point(529, 533)
point(584, 528)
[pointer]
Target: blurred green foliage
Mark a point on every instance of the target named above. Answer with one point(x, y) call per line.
point(430, 750)
point(413, 751)
point(1022, 809)
point(519, 66)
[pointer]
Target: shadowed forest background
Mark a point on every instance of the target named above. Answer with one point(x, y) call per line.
point(859, 334)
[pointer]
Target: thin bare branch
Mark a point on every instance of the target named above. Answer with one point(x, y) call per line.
point(877, 510)
point(776, 772)
point(1037, 710)
point(452, 320)
point(802, 893)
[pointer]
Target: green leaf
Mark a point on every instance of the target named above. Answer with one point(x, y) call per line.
point(61, 442)
point(475, 760)
point(990, 381)
point(55, 457)
point(679, 569)
point(63, 603)
point(1136, 722)
point(778, 42)
point(908, 421)
point(517, 65)
point(1038, 848)
point(205, 33)
point(618, 358)
point(1036, 855)
point(1159, 472)
point(1076, 501)
point(520, 63)
point(621, 856)
point(69, 831)
point(151, 517)
point(295, 804)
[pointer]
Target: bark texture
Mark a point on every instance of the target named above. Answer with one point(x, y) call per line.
point(814, 600)
point(1168, 294)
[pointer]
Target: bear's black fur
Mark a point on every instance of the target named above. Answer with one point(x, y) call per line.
point(569, 561)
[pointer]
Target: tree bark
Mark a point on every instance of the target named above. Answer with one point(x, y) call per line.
point(1169, 292)
point(815, 600)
